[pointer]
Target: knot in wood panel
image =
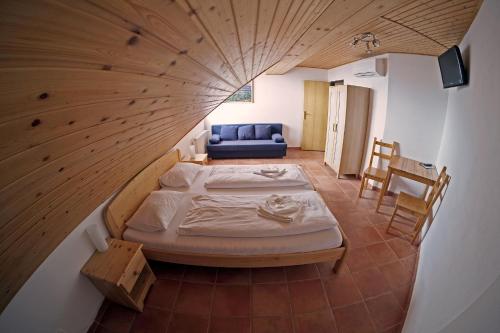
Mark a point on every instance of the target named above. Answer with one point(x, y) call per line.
point(133, 40)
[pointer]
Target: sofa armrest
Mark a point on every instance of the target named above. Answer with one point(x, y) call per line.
point(214, 139)
point(278, 138)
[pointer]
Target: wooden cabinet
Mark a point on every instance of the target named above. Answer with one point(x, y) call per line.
point(346, 131)
point(121, 273)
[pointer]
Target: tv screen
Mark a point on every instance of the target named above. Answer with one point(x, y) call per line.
point(452, 68)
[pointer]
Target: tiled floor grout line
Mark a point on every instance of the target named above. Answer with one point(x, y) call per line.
point(325, 294)
point(132, 322)
point(212, 300)
point(250, 310)
point(374, 326)
point(291, 312)
point(174, 303)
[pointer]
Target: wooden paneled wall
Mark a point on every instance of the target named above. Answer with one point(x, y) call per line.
point(92, 91)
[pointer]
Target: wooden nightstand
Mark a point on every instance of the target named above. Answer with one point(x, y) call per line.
point(121, 273)
point(201, 159)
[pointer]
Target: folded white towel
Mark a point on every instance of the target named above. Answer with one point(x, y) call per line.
point(270, 170)
point(282, 204)
point(271, 175)
point(281, 208)
point(263, 212)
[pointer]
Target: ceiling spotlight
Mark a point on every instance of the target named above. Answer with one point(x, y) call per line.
point(368, 39)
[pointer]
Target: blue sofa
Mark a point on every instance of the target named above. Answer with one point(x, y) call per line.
point(246, 141)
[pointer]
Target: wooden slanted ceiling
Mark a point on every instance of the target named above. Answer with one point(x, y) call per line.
point(93, 91)
point(426, 27)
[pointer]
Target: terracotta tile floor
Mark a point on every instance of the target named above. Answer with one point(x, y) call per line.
point(369, 294)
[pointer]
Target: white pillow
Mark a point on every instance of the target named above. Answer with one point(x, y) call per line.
point(156, 211)
point(181, 175)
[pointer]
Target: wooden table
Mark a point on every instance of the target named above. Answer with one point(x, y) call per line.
point(408, 168)
point(121, 273)
point(201, 159)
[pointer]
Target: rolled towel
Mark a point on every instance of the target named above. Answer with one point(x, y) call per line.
point(287, 218)
point(265, 214)
point(282, 204)
point(271, 175)
point(276, 170)
point(282, 208)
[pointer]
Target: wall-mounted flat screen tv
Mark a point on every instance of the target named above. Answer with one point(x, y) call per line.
point(452, 68)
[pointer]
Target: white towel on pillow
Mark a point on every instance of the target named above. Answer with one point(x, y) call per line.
point(271, 174)
point(282, 208)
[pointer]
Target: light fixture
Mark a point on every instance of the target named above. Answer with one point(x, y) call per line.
point(368, 39)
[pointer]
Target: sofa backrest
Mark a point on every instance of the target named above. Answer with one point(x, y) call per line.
point(275, 128)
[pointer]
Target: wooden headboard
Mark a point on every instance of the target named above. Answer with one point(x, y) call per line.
point(126, 202)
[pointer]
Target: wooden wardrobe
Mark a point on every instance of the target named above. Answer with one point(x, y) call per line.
point(346, 131)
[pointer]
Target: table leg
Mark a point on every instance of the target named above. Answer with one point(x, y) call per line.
point(425, 192)
point(385, 186)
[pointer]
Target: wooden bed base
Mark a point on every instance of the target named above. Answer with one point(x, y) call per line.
point(126, 202)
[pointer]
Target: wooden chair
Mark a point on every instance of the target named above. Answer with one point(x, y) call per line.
point(420, 207)
point(372, 172)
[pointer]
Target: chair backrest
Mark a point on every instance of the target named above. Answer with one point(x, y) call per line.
point(442, 180)
point(380, 145)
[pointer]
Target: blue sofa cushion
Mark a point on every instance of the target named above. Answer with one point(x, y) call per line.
point(246, 132)
point(246, 145)
point(278, 138)
point(262, 132)
point(229, 132)
point(215, 139)
point(275, 127)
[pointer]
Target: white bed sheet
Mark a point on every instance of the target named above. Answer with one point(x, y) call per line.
point(169, 240)
point(244, 176)
point(237, 216)
point(198, 186)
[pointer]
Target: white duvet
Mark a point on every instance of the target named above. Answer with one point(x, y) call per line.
point(236, 216)
point(243, 176)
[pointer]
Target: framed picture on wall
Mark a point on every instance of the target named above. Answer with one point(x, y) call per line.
point(245, 94)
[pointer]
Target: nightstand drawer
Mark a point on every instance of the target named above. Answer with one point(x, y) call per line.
point(132, 271)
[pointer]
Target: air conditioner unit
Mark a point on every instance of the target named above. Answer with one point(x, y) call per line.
point(372, 67)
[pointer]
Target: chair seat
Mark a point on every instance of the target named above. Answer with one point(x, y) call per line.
point(411, 203)
point(375, 173)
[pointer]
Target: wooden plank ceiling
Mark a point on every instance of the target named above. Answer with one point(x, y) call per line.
point(426, 27)
point(93, 91)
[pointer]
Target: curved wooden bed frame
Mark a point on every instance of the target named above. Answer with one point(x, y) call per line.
point(126, 202)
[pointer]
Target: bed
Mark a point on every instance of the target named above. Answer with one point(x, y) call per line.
point(252, 176)
point(246, 187)
point(167, 246)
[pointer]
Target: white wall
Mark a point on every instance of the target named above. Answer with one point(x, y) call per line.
point(457, 284)
point(416, 109)
point(278, 98)
point(57, 298)
point(186, 141)
point(378, 99)
point(408, 105)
